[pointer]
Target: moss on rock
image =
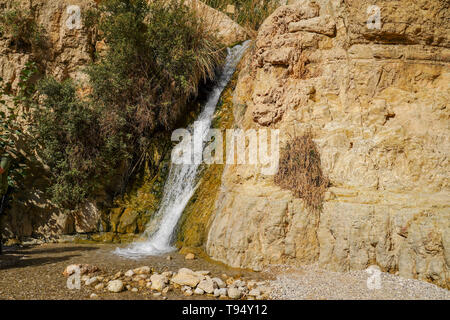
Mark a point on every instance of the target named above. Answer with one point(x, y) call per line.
point(193, 225)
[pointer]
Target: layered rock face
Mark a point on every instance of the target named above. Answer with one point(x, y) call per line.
point(376, 100)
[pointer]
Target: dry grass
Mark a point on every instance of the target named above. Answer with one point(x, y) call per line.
point(300, 171)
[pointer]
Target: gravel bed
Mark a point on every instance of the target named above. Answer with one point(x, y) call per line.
point(312, 282)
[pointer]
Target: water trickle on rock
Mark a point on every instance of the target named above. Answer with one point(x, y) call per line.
point(181, 181)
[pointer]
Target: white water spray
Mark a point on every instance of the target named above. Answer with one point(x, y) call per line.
point(180, 184)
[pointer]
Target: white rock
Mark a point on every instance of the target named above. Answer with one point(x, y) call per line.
point(239, 283)
point(129, 273)
point(188, 293)
point(216, 292)
point(199, 291)
point(100, 286)
point(142, 270)
point(223, 292)
point(234, 293)
point(207, 285)
point(187, 277)
point(159, 281)
point(115, 286)
point(219, 282)
point(134, 290)
point(93, 296)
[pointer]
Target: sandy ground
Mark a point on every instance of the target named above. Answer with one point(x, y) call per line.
point(36, 272)
point(313, 283)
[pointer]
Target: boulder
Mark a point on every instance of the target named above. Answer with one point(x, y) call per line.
point(159, 282)
point(187, 277)
point(370, 96)
point(207, 285)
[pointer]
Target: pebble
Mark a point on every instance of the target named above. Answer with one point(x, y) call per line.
point(91, 281)
point(100, 286)
point(115, 286)
point(190, 256)
point(129, 273)
point(142, 270)
point(199, 291)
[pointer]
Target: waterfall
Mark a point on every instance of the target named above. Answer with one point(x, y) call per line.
point(180, 184)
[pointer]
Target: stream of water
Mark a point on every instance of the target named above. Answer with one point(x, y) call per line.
point(181, 181)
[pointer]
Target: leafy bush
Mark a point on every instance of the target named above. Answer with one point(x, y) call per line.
point(152, 66)
point(21, 27)
point(248, 13)
point(67, 135)
point(300, 171)
point(157, 55)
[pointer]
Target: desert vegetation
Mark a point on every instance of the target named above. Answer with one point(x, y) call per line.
point(157, 55)
point(300, 171)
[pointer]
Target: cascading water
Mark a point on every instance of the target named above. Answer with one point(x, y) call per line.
point(180, 184)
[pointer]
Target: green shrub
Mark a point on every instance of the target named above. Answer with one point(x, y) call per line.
point(157, 55)
point(21, 27)
point(300, 171)
point(152, 66)
point(67, 137)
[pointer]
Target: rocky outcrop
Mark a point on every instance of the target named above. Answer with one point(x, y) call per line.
point(376, 101)
point(67, 51)
point(224, 28)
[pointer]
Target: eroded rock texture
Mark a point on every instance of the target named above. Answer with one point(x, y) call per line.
point(377, 102)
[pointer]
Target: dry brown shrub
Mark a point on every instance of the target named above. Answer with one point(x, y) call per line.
point(300, 171)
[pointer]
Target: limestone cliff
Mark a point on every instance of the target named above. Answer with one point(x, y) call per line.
point(376, 101)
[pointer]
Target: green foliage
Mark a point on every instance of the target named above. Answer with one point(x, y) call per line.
point(21, 27)
point(157, 55)
point(153, 66)
point(248, 13)
point(70, 143)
